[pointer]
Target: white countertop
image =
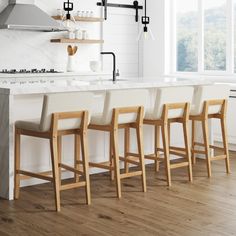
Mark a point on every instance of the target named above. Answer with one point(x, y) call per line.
point(44, 85)
point(53, 75)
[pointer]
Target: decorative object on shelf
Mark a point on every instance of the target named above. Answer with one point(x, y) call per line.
point(84, 34)
point(67, 19)
point(71, 34)
point(71, 58)
point(105, 4)
point(78, 34)
point(146, 31)
point(95, 66)
point(60, 12)
point(85, 14)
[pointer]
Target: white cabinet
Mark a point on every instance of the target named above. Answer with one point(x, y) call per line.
point(231, 122)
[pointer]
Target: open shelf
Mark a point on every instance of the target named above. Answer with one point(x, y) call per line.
point(85, 41)
point(84, 19)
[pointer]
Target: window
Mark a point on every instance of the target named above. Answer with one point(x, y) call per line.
point(187, 35)
point(204, 32)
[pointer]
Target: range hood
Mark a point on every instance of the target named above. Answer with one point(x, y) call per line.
point(25, 15)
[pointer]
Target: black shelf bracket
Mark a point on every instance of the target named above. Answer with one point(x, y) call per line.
point(105, 4)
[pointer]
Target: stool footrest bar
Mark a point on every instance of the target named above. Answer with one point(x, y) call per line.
point(34, 175)
point(129, 160)
point(71, 169)
point(103, 165)
point(72, 185)
point(220, 157)
point(179, 165)
point(130, 174)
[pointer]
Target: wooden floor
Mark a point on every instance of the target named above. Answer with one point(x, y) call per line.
point(206, 207)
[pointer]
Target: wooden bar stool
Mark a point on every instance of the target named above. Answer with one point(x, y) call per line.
point(62, 114)
point(172, 105)
point(210, 102)
point(123, 109)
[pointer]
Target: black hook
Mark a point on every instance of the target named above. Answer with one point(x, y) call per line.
point(136, 9)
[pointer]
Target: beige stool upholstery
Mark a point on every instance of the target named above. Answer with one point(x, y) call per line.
point(172, 106)
point(62, 114)
point(210, 102)
point(123, 109)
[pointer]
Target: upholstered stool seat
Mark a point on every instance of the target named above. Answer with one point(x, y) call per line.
point(33, 125)
point(123, 109)
point(210, 102)
point(97, 119)
point(62, 114)
point(172, 105)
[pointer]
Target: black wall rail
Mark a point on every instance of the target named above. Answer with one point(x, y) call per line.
point(135, 6)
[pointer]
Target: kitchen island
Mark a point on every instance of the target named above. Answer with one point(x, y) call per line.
point(21, 99)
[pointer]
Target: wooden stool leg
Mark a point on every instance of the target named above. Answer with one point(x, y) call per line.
point(17, 165)
point(55, 169)
point(116, 161)
point(77, 156)
point(59, 148)
point(139, 132)
point(193, 141)
point(127, 147)
point(187, 149)
point(112, 176)
point(84, 148)
point(157, 145)
point(206, 144)
point(165, 140)
point(225, 143)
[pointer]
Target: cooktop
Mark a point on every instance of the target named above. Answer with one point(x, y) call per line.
point(31, 71)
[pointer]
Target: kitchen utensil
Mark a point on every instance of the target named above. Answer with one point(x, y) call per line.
point(70, 50)
point(75, 50)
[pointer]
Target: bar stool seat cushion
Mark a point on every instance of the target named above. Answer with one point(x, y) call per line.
point(149, 115)
point(120, 99)
point(97, 119)
point(32, 125)
point(208, 92)
point(169, 95)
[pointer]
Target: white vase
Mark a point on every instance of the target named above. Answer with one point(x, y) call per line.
point(71, 64)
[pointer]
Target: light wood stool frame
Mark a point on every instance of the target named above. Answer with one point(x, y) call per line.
point(113, 164)
point(204, 118)
point(55, 137)
point(164, 124)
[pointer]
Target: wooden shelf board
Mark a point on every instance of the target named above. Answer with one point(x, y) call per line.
point(84, 19)
point(87, 41)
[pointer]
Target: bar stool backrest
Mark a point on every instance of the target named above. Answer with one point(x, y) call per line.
point(65, 102)
point(206, 93)
point(172, 95)
point(121, 99)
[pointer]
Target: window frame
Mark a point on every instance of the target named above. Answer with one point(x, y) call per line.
point(231, 27)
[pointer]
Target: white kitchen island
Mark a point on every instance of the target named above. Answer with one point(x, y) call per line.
point(21, 99)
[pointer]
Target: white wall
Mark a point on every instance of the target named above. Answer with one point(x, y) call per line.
point(154, 51)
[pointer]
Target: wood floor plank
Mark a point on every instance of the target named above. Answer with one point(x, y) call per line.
point(204, 207)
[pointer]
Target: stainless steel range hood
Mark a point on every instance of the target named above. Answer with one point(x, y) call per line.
point(25, 15)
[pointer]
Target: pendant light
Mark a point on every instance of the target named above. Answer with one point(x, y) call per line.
point(68, 20)
point(145, 32)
